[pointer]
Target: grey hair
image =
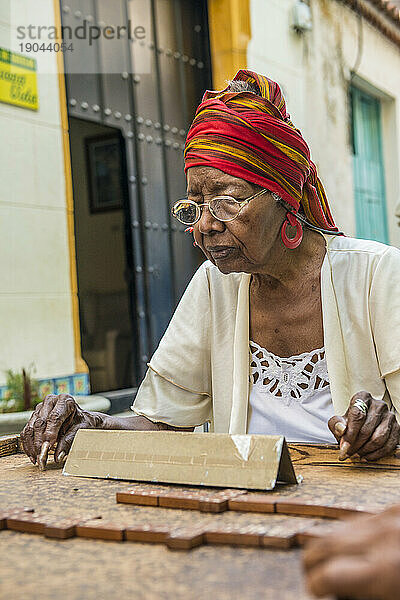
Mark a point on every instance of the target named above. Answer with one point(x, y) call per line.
point(285, 204)
point(242, 86)
point(278, 199)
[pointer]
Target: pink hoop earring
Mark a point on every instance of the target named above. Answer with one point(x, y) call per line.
point(294, 242)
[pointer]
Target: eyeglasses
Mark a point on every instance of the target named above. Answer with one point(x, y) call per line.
point(222, 208)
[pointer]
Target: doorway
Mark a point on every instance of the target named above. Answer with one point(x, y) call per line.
point(369, 185)
point(152, 108)
point(103, 252)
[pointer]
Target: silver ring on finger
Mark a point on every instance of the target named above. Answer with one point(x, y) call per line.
point(361, 405)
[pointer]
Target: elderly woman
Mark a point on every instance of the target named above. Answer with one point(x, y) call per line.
point(287, 319)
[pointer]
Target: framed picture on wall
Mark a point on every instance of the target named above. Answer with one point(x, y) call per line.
point(106, 172)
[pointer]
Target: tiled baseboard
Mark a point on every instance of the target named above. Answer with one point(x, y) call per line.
point(76, 385)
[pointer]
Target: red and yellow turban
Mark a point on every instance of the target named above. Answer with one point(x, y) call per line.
point(251, 136)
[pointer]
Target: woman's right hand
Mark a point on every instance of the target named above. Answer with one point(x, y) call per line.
point(53, 424)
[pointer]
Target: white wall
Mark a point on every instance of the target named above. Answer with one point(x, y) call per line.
point(314, 70)
point(35, 292)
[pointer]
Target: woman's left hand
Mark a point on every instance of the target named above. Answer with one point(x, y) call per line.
point(367, 428)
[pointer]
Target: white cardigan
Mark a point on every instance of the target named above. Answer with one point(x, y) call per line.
point(200, 370)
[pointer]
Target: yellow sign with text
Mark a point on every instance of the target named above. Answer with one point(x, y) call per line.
point(18, 80)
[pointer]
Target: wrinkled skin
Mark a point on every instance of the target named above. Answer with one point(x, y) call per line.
point(288, 279)
point(371, 436)
point(56, 420)
point(360, 560)
point(254, 236)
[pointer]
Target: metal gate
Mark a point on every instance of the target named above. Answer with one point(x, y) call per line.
point(152, 110)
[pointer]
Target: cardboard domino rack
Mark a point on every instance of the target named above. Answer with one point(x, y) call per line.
point(219, 460)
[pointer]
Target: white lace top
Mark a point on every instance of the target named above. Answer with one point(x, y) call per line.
point(290, 396)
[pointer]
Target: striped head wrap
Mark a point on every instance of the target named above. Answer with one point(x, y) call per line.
point(251, 136)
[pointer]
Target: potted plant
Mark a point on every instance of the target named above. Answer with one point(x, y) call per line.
point(23, 395)
point(22, 391)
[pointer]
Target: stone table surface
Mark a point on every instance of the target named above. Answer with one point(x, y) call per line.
point(82, 569)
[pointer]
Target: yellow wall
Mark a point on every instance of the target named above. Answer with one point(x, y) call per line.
point(229, 23)
point(37, 288)
point(80, 365)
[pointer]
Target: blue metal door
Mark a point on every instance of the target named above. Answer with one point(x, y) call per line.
point(369, 185)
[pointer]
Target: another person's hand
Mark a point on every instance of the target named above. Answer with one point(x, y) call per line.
point(53, 424)
point(397, 213)
point(367, 429)
point(360, 559)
